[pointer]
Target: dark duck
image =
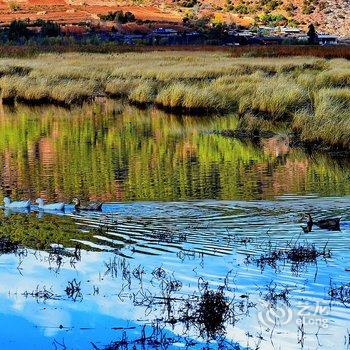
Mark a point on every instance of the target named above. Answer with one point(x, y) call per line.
point(88, 207)
point(331, 224)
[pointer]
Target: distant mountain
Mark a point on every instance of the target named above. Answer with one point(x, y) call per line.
point(331, 16)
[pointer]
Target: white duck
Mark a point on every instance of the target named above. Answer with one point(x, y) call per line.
point(16, 204)
point(53, 206)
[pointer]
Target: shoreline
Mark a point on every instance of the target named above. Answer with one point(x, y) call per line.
point(241, 133)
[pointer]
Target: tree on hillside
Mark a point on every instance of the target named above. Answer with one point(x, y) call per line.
point(119, 17)
point(18, 30)
point(312, 35)
point(50, 29)
point(129, 17)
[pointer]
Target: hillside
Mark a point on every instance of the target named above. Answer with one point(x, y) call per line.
point(331, 16)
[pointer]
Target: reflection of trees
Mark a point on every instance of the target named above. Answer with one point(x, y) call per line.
point(109, 152)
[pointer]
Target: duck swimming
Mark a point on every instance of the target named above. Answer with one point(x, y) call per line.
point(331, 224)
point(52, 206)
point(88, 207)
point(16, 204)
point(308, 227)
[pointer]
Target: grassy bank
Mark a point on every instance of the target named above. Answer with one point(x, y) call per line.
point(312, 94)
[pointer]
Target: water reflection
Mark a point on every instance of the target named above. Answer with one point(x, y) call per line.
point(171, 250)
point(114, 152)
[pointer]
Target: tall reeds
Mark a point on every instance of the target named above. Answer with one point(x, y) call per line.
point(330, 121)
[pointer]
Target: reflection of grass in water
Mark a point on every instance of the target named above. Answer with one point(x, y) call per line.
point(111, 152)
point(101, 149)
point(34, 233)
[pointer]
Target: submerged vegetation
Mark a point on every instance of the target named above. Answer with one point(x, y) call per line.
point(309, 93)
point(299, 255)
point(29, 231)
point(340, 293)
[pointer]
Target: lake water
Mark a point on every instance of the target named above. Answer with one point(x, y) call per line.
point(186, 212)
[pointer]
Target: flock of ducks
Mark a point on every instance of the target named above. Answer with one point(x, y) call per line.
point(331, 224)
point(8, 204)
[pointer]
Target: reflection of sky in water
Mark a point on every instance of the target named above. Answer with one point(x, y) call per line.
point(214, 228)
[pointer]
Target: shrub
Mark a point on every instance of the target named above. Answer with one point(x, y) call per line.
point(14, 6)
point(187, 3)
point(273, 19)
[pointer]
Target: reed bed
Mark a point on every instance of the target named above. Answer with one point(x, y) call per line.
point(312, 94)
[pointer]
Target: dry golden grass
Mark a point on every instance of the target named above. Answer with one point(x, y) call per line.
point(330, 121)
point(121, 87)
point(143, 93)
point(276, 96)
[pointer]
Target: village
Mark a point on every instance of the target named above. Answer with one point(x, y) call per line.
point(131, 32)
point(229, 37)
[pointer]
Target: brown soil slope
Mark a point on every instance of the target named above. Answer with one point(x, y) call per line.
point(332, 16)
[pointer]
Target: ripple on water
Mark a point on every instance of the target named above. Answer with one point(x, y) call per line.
point(195, 242)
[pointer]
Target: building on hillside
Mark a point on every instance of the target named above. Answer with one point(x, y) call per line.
point(165, 32)
point(245, 34)
point(327, 39)
point(290, 31)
